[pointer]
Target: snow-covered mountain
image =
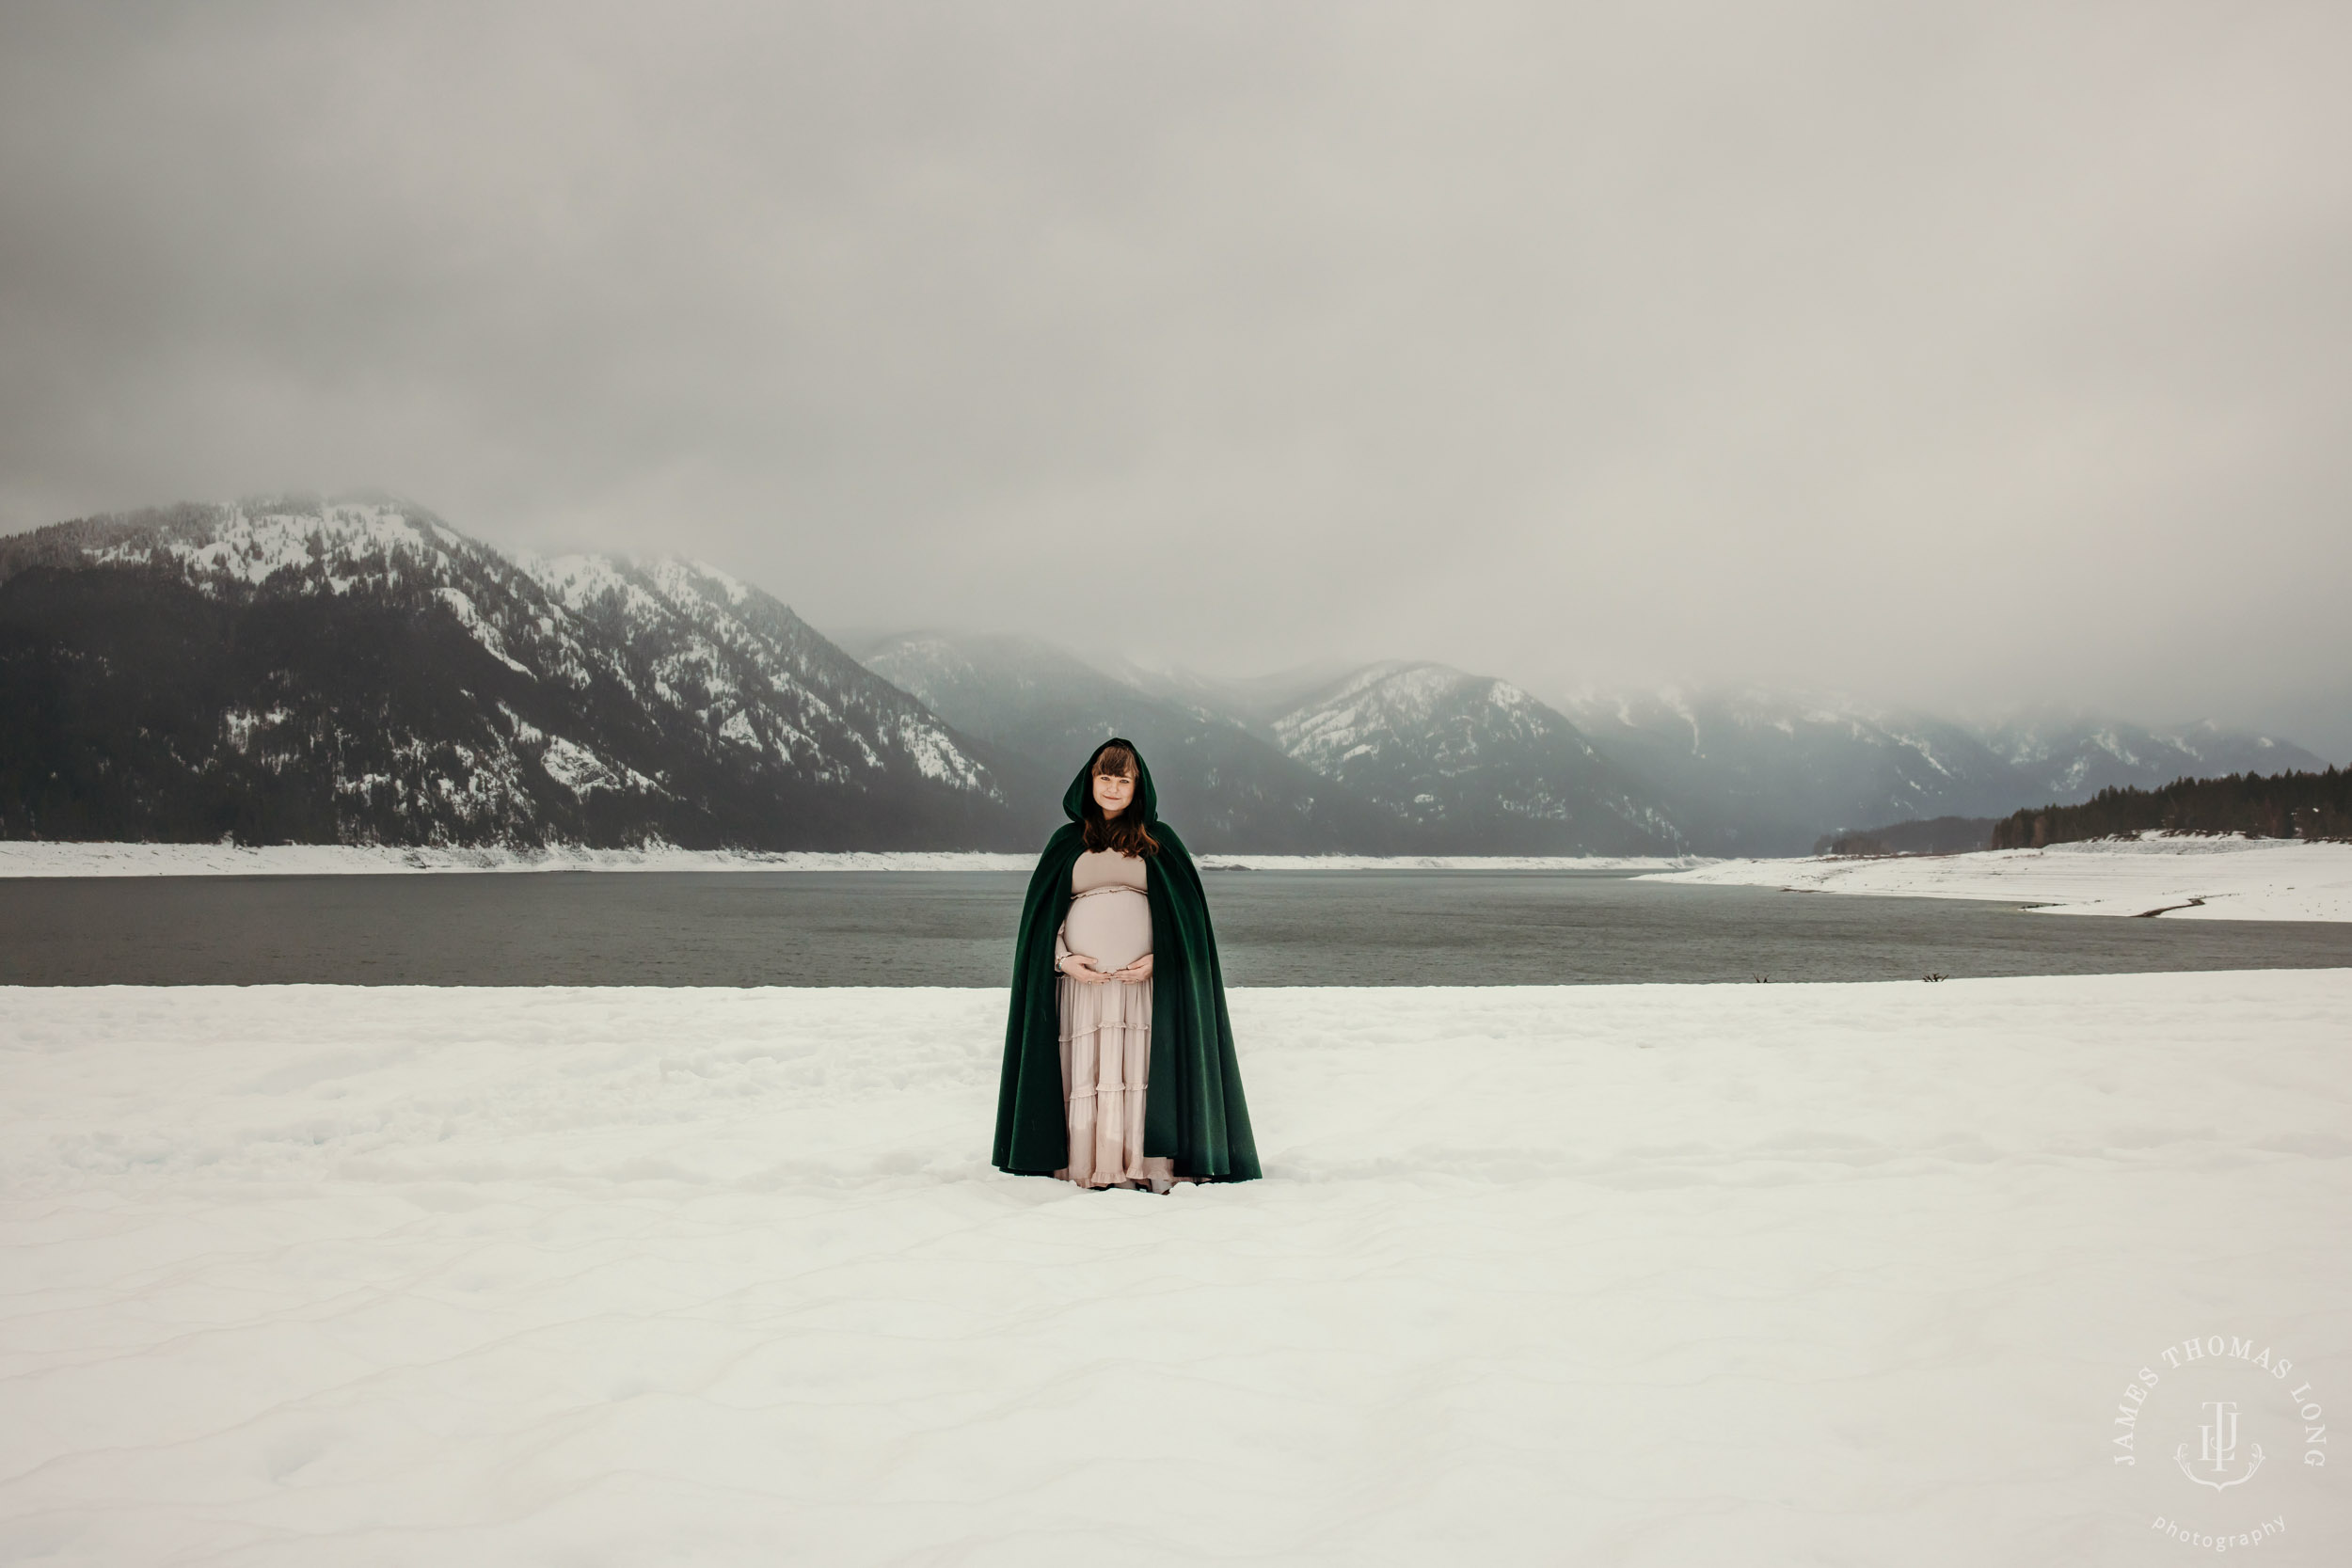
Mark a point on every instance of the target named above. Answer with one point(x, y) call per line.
point(1397, 757)
point(1041, 710)
point(1755, 772)
point(1472, 764)
point(2065, 757)
point(358, 671)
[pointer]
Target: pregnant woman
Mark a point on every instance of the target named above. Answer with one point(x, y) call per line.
point(1118, 1057)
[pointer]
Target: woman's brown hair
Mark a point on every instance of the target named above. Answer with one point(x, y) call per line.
point(1126, 831)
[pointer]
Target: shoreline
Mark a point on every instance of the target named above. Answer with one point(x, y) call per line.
point(63, 859)
point(2183, 877)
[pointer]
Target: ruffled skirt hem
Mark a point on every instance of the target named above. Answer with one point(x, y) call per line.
point(1106, 1065)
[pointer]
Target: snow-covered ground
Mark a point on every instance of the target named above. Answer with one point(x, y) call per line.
point(1450, 863)
point(2183, 878)
point(1671, 1275)
point(20, 858)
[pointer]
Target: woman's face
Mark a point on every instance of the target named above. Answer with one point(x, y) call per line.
point(1112, 791)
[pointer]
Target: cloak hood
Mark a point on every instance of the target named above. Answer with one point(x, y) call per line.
point(1193, 1109)
point(1073, 800)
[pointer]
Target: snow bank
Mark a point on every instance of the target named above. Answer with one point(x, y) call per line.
point(2179, 878)
point(23, 859)
point(1659, 1275)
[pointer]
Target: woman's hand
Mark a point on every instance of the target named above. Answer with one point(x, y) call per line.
point(1081, 968)
point(1139, 970)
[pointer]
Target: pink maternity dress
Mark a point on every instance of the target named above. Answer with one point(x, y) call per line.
point(1106, 1026)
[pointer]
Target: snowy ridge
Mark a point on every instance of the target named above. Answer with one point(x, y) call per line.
point(2158, 876)
point(1383, 703)
point(753, 674)
point(2070, 757)
point(333, 546)
point(664, 682)
point(737, 660)
point(1452, 752)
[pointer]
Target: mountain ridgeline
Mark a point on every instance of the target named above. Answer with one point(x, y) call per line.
point(355, 671)
point(1393, 758)
point(1041, 711)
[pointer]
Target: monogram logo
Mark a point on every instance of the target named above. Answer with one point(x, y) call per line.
point(2218, 1448)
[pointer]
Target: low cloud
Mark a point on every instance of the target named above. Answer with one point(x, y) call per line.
point(1972, 357)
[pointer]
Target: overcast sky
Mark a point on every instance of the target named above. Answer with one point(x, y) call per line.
point(1960, 355)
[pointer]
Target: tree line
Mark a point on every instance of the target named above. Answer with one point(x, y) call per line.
point(2286, 805)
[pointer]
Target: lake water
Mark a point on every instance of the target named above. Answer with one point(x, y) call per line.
point(955, 929)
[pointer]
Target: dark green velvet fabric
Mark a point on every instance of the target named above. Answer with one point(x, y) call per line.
point(1193, 1107)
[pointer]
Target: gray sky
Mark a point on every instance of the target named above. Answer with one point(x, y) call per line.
point(1964, 355)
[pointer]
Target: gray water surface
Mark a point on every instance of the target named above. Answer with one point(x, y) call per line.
point(955, 929)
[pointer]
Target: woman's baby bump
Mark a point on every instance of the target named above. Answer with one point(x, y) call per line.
point(1112, 925)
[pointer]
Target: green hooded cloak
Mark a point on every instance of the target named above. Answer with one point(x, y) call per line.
point(1192, 1107)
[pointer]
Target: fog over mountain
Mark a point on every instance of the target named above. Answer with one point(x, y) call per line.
point(1965, 359)
point(1755, 772)
point(1455, 760)
point(1044, 710)
point(1728, 771)
point(1400, 758)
